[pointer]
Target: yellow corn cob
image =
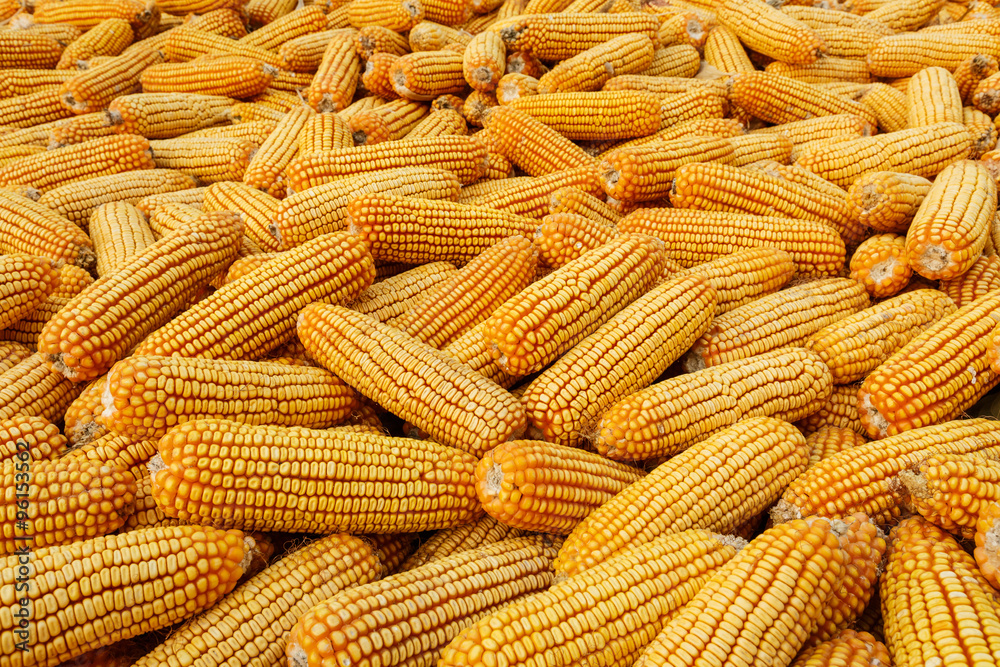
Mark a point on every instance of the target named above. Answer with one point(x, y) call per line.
point(455, 153)
point(171, 217)
point(476, 106)
point(948, 232)
point(86, 14)
point(430, 36)
point(744, 275)
point(780, 99)
point(22, 49)
point(565, 401)
point(72, 281)
point(692, 484)
point(98, 157)
point(160, 280)
point(228, 21)
point(192, 197)
point(887, 201)
point(56, 499)
point(78, 129)
point(903, 15)
point(254, 131)
point(591, 69)
point(166, 115)
point(31, 388)
point(574, 200)
point(825, 70)
point(186, 43)
point(828, 441)
point(922, 151)
point(198, 7)
point(376, 39)
point(439, 124)
point(324, 132)
point(281, 593)
point(928, 581)
point(724, 51)
point(984, 133)
point(981, 278)
point(971, 71)
point(337, 77)
point(268, 393)
point(533, 328)
point(27, 329)
point(563, 237)
point(472, 351)
point(770, 32)
point(696, 127)
point(797, 312)
point(94, 88)
point(14, 82)
point(424, 75)
point(207, 159)
point(987, 549)
point(80, 418)
point(597, 115)
point(120, 232)
point(559, 36)
point(453, 232)
point(840, 410)
point(27, 227)
point(526, 484)
point(376, 79)
point(817, 18)
point(445, 543)
point(343, 627)
point(907, 54)
point(265, 171)
point(879, 264)
point(118, 451)
point(388, 122)
point(646, 172)
point(663, 85)
point(497, 417)
point(659, 420)
point(393, 296)
point(398, 15)
point(38, 437)
point(11, 354)
point(25, 282)
point(243, 112)
point(78, 201)
point(448, 12)
point(694, 237)
point(346, 491)
point(245, 265)
point(255, 208)
point(229, 75)
point(107, 38)
point(37, 111)
point(468, 297)
point(294, 24)
point(933, 97)
point(679, 60)
point(952, 490)
point(196, 567)
point(888, 104)
point(525, 63)
point(780, 604)
point(265, 12)
point(305, 53)
point(654, 581)
point(484, 61)
point(530, 197)
point(851, 43)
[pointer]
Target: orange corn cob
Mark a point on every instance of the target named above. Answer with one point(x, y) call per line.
point(879, 264)
point(11, 354)
point(376, 39)
point(515, 86)
point(265, 12)
point(265, 169)
point(563, 237)
point(525, 63)
point(310, 19)
point(391, 297)
point(984, 133)
point(305, 53)
point(375, 77)
point(981, 278)
point(745, 275)
point(439, 124)
point(971, 71)
point(23, 49)
point(27, 227)
point(97, 157)
point(646, 172)
point(906, 54)
point(254, 131)
point(828, 441)
point(86, 14)
point(725, 52)
point(160, 280)
point(38, 437)
point(770, 32)
point(424, 75)
point(825, 70)
point(574, 200)
point(81, 416)
point(559, 36)
point(25, 282)
point(444, 543)
point(530, 197)
point(591, 69)
point(323, 132)
point(430, 36)
point(779, 99)
point(588, 115)
point(166, 115)
point(886, 200)
point(120, 232)
point(107, 38)
point(484, 61)
point(987, 552)
point(209, 160)
point(32, 389)
point(231, 76)
point(389, 122)
point(254, 207)
point(840, 410)
point(118, 451)
point(26, 111)
point(14, 82)
point(78, 129)
point(532, 145)
point(228, 21)
point(952, 490)
point(186, 43)
point(337, 77)
point(94, 88)
point(398, 15)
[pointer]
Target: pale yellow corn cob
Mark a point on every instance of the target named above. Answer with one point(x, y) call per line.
point(207, 159)
point(933, 97)
point(559, 36)
point(120, 232)
point(393, 296)
point(982, 277)
point(906, 54)
point(825, 70)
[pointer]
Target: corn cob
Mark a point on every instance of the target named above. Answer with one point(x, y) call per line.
point(903, 16)
point(532, 145)
point(484, 61)
point(22, 49)
point(431, 36)
point(398, 15)
point(192, 197)
point(337, 77)
point(94, 88)
point(907, 54)
point(530, 197)
point(828, 441)
point(591, 69)
point(770, 32)
point(120, 232)
point(724, 51)
point(983, 277)
point(38, 437)
point(35, 109)
point(118, 451)
point(389, 122)
point(497, 418)
point(107, 38)
point(933, 97)
point(25, 282)
point(376, 39)
point(456, 154)
point(984, 133)
point(424, 75)
point(394, 296)
point(468, 297)
point(226, 21)
point(98, 157)
point(58, 493)
point(929, 578)
point(77, 201)
point(445, 543)
point(183, 261)
point(376, 79)
point(25, 23)
point(27, 329)
point(888, 104)
point(30, 228)
point(324, 132)
point(564, 404)
point(198, 7)
point(307, 20)
point(171, 217)
point(887, 201)
point(973, 70)
point(254, 131)
point(563, 237)
point(574, 200)
point(187, 43)
point(333, 491)
point(166, 115)
point(80, 423)
point(879, 264)
point(952, 490)
point(209, 160)
point(86, 14)
point(395, 238)
point(265, 169)
point(72, 281)
point(780, 99)
point(817, 18)
point(477, 105)
point(11, 354)
point(559, 36)
point(744, 275)
point(646, 172)
point(228, 75)
point(439, 124)
point(987, 549)
point(825, 70)
point(635, 113)
point(471, 350)
point(525, 63)
point(30, 388)
point(14, 82)
point(840, 409)
point(265, 12)
point(281, 593)
point(305, 53)
point(628, 520)
point(663, 574)
point(255, 208)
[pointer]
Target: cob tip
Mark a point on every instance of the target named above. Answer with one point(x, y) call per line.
point(784, 511)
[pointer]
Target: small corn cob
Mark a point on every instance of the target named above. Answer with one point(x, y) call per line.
point(888, 104)
point(58, 493)
point(11, 354)
point(656, 580)
point(98, 157)
point(80, 419)
point(373, 369)
point(659, 420)
point(389, 122)
point(160, 280)
point(430, 36)
point(526, 484)
point(324, 132)
point(228, 75)
point(971, 72)
point(347, 490)
point(265, 171)
point(14, 82)
point(453, 153)
point(424, 75)
point(770, 32)
point(94, 88)
point(192, 197)
point(107, 38)
point(933, 97)
point(254, 207)
point(394, 296)
point(724, 51)
point(797, 311)
point(780, 99)
point(948, 233)
point(209, 160)
point(827, 441)
point(32, 389)
point(559, 36)
point(646, 172)
point(294, 24)
point(376, 39)
point(376, 79)
point(25, 282)
point(879, 264)
point(38, 437)
point(574, 200)
point(78, 201)
point(859, 343)
point(887, 201)
point(265, 12)
point(530, 197)
point(281, 593)
point(305, 53)
point(438, 124)
point(337, 77)
point(929, 581)
point(780, 604)
point(530, 330)
point(922, 151)
point(267, 393)
point(591, 69)
point(30, 228)
point(565, 402)
point(484, 61)
point(465, 587)
point(952, 490)
point(840, 410)
point(398, 15)
point(691, 485)
point(120, 232)
point(532, 145)
point(906, 54)
point(525, 63)
point(981, 278)
point(22, 49)
point(589, 115)
point(461, 301)
point(167, 115)
point(452, 232)
point(563, 237)
point(476, 106)
point(982, 129)
point(196, 566)
point(825, 70)
point(445, 543)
